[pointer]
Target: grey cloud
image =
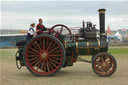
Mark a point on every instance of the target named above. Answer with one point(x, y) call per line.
point(66, 7)
point(16, 13)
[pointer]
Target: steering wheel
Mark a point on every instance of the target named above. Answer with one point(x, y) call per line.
point(60, 30)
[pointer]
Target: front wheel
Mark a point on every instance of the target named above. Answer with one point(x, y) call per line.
point(104, 64)
point(44, 55)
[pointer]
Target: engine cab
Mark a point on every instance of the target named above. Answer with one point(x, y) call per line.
point(88, 32)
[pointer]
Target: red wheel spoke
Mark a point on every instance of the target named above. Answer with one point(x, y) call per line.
point(48, 66)
point(42, 65)
point(44, 44)
point(33, 58)
point(56, 58)
point(54, 55)
point(53, 63)
point(49, 45)
point(38, 66)
point(53, 49)
point(53, 60)
point(55, 52)
point(37, 45)
point(37, 63)
point(102, 58)
point(35, 50)
point(41, 43)
point(99, 59)
point(99, 67)
point(108, 66)
point(103, 69)
point(33, 55)
point(34, 61)
point(98, 63)
point(32, 52)
point(52, 46)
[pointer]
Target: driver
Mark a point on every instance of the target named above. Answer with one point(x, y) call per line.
point(40, 26)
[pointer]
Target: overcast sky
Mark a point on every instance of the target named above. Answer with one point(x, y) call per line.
point(20, 14)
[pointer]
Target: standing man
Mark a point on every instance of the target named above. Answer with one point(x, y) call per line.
point(40, 26)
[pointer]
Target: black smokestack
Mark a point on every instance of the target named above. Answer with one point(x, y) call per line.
point(102, 21)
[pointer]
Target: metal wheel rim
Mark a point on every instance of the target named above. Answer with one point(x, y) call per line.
point(48, 65)
point(109, 70)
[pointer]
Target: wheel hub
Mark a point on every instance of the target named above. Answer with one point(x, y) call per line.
point(44, 55)
point(104, 64)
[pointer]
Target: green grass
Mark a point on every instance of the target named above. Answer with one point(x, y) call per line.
point(119, 52)
point(8, 55)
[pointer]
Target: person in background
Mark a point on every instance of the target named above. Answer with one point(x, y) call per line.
point(31, 32)
point(40, 26)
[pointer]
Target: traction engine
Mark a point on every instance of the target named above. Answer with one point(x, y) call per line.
point(50, 50)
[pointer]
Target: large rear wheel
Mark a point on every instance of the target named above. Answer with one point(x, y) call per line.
point(44, 55)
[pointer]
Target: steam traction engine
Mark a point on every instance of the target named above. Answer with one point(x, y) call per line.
point(49, 51)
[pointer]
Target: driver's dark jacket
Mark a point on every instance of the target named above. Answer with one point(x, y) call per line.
point(40, 27)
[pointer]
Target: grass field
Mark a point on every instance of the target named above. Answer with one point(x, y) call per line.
point(79, 74)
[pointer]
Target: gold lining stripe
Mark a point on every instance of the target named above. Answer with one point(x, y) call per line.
point(98, 42)
point(65, 44)
point(88, 48)
point(92, 47)
point(101, 11)
point(103, 34)
point(87, 44)
point(77, 47)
